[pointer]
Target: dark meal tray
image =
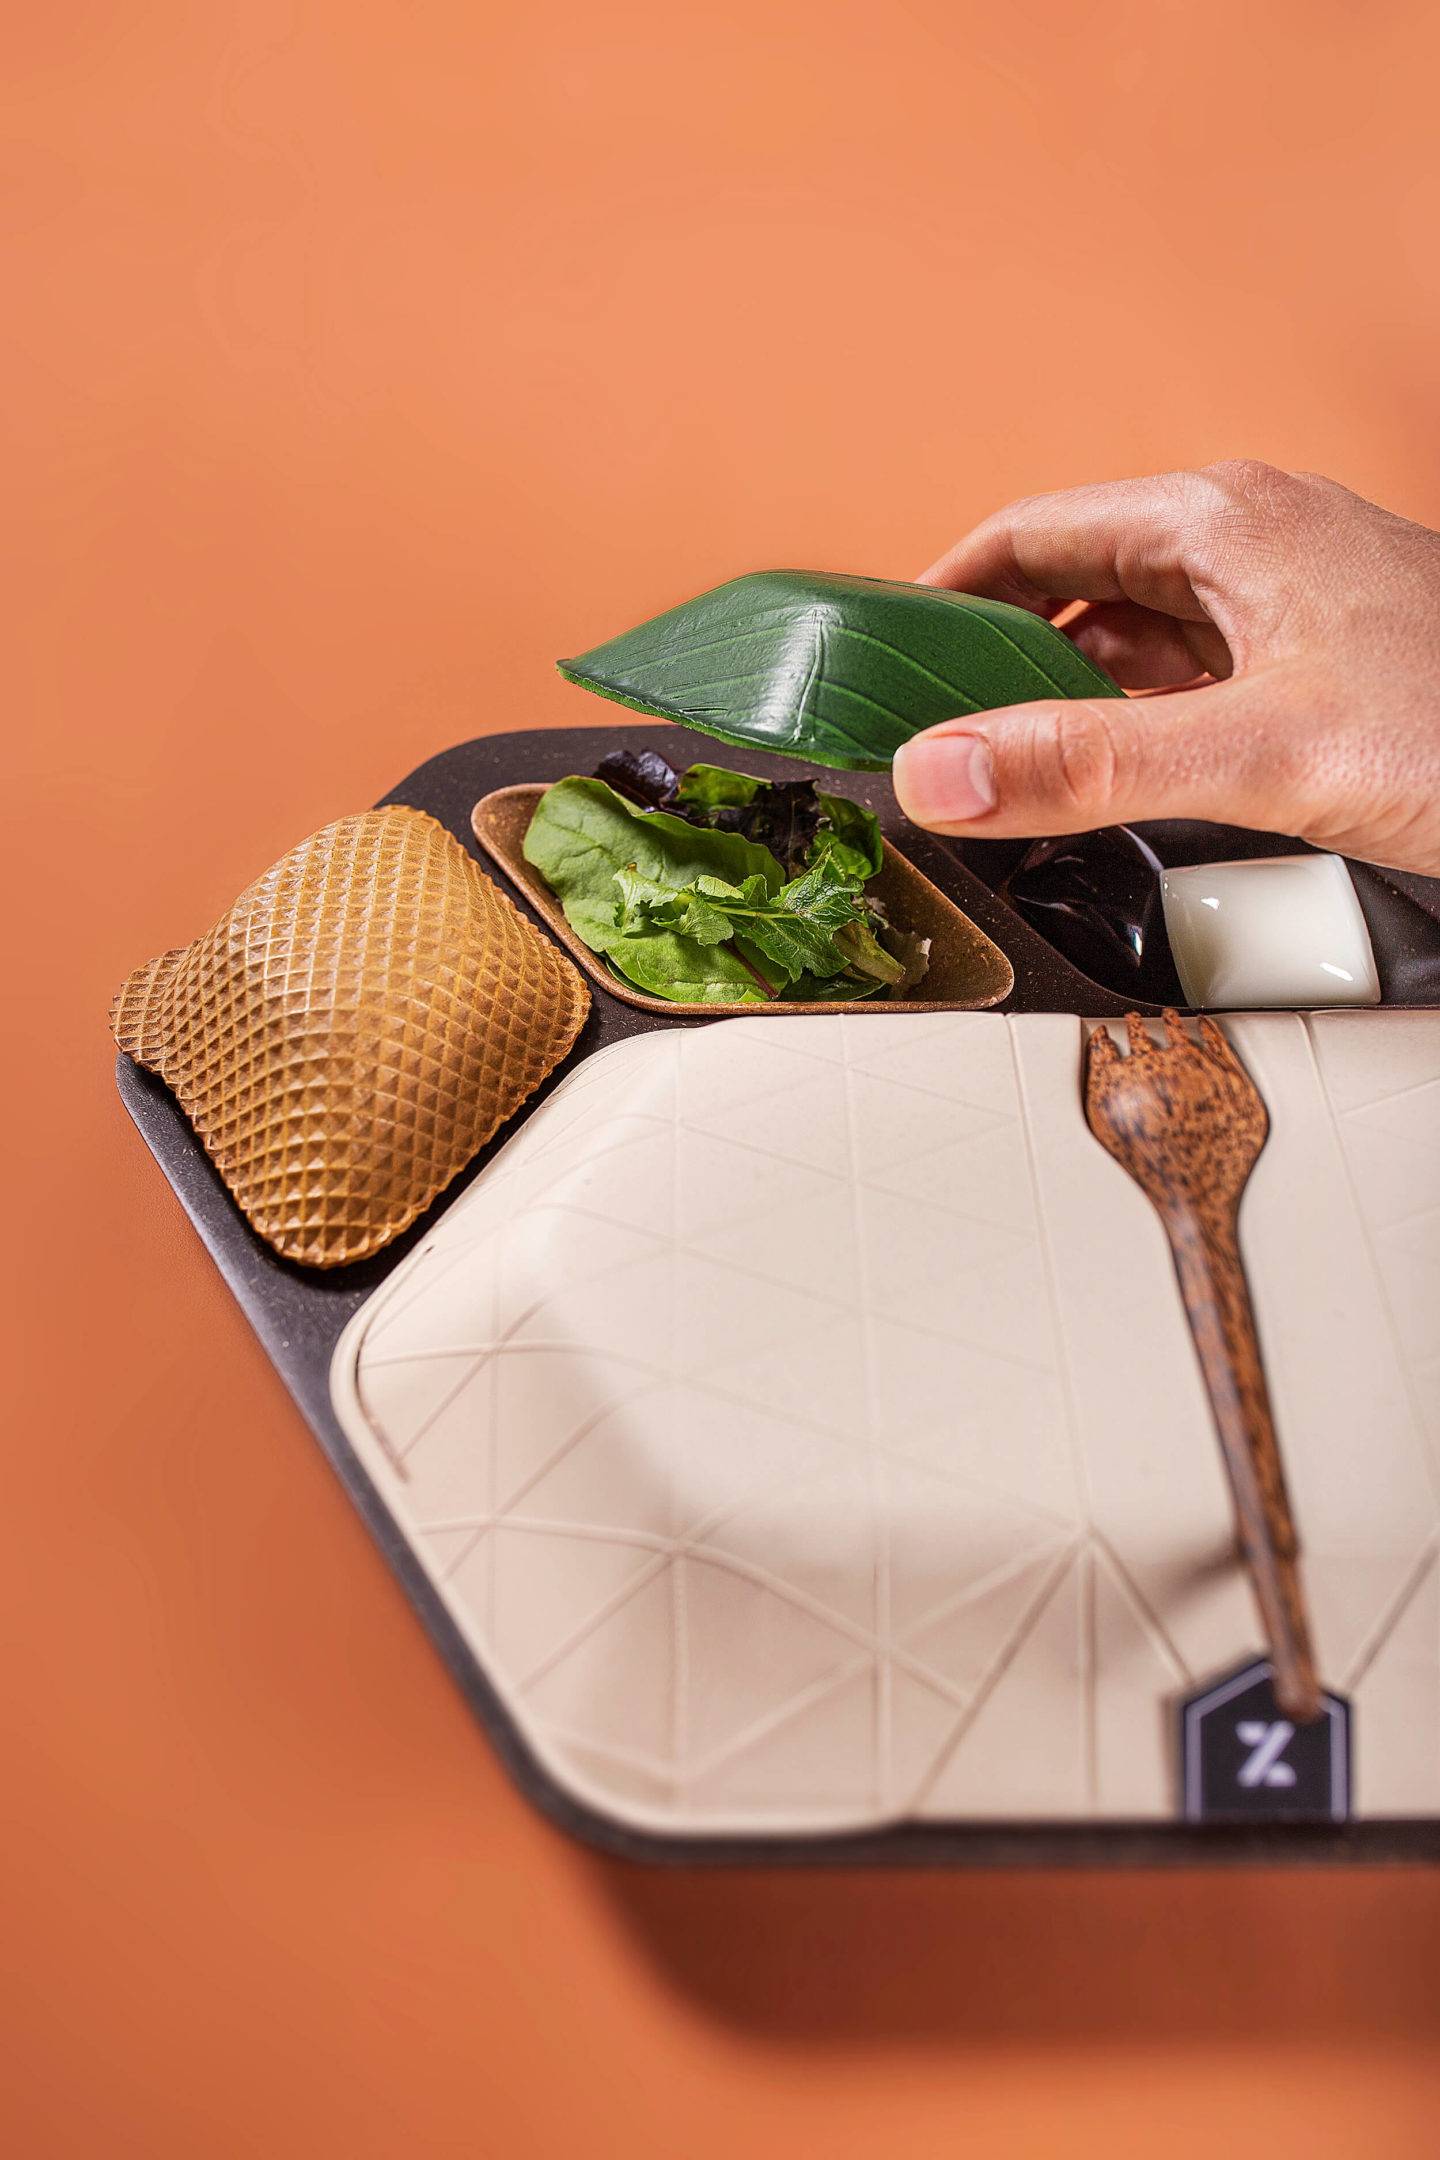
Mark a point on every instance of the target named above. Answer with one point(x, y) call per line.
point(299, 1315)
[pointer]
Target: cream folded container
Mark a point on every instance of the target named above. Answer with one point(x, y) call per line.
point(1283, 930)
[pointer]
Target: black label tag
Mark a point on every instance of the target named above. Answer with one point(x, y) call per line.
point(1242, 1759)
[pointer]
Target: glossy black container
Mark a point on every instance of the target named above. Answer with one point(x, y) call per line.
point(1095, 897)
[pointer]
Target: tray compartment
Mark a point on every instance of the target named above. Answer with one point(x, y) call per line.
point(756, 1418)
point(1401, 908)
point(968, 971)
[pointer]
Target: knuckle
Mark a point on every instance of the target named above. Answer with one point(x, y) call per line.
point(1024, 513)
point(1244, 521)
point(1079, 756)
point(1242, 479)
point(1246, 491)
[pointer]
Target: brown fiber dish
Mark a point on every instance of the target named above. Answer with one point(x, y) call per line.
point(353, 1030)
point(968, 971)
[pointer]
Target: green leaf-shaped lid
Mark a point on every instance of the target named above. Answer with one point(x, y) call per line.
point(835, 670)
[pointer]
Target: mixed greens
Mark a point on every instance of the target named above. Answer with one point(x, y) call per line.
point(714, 887)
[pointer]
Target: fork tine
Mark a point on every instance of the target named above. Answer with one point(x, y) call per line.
point(1215, 1042)
point(1101, 1049)
point(1139, 1035)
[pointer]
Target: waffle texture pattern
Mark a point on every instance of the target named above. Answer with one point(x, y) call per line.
point(353, 1029)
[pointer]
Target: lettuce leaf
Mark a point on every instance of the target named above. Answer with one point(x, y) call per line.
point(792, 818)
point(702, 913)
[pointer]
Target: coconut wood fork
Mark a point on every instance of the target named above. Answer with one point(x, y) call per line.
point(1187, 1122)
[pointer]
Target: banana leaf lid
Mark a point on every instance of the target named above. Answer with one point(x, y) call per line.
point(835, 670)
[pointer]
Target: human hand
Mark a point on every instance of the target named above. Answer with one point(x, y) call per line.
point(1310, 616)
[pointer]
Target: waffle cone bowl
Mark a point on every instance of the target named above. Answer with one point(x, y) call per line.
point(350, 1033)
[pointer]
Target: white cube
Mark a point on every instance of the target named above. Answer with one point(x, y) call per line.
point(1283, 930)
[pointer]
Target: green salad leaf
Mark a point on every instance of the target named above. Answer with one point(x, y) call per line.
point(814, 925)
point(793, 818)
point(908, 949)
point(851, 833)
point(835, 670)
point(714, 787)
point(583, 834)
point(709, 916)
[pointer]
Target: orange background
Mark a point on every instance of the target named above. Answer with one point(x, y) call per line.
point(362, 358)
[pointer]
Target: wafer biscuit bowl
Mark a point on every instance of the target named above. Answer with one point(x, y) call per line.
point(363, 1019)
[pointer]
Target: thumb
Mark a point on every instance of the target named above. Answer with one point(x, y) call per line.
point(1077, 763)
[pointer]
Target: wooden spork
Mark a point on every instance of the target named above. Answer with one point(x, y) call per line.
point(1187, 1122)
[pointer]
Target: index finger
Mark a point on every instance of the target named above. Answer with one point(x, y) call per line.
point(1123, 540)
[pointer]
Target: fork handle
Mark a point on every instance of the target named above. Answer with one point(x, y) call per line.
point(1206, 1246)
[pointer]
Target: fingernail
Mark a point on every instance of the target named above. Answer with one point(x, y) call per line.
point(945, 779)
